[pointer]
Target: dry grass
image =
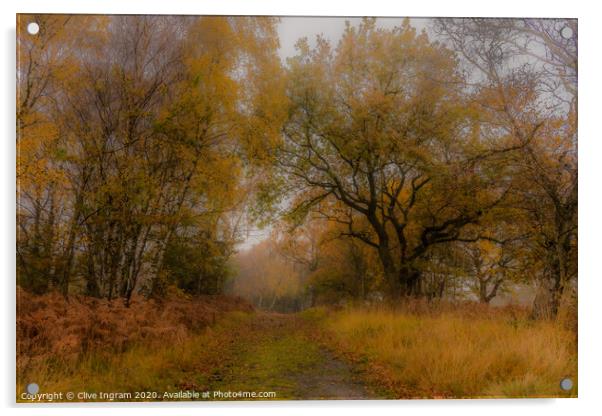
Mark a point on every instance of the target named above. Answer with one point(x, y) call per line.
point(188, 364)
point(416, 350)
point(470, 351)
point(53, 329)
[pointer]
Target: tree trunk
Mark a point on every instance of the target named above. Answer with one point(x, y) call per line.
point(549, 290)
point(392, 276)
point(409, 281)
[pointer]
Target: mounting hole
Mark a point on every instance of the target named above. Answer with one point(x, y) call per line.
point(33, 388)
point(33, 28)
point(566, 32)
point(566, 384)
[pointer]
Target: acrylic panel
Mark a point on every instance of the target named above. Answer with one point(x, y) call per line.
point(295, 208)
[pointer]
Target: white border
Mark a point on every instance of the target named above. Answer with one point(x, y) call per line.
point(590, 142)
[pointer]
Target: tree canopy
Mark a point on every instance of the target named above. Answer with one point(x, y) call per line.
point(395, 162)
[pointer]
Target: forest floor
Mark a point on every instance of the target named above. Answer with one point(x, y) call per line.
point(248, 353)
point(326, 354)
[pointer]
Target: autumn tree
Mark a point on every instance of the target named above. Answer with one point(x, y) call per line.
point(379, 130)
point(525, 81)
point(349, 270)
point(301, 244)
point(44, 68)
point(156, 121)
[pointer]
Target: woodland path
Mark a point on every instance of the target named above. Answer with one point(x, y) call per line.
point(277, 354)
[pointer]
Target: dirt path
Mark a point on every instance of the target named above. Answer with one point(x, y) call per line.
point(281, 357)
point(332, 379)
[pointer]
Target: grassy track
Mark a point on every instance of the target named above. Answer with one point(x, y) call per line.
point(243, 353)
point(355, 354)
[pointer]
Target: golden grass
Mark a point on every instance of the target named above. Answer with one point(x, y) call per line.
point(416, 350)
point(457, 354)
